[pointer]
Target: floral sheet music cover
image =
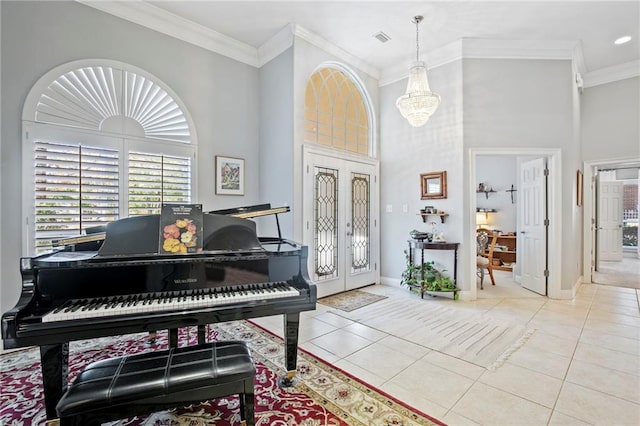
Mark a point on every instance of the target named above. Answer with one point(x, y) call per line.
point(180, 229)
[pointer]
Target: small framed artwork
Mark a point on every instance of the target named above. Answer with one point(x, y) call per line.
point(433, 185)
point(229, 175)
point(579, 188)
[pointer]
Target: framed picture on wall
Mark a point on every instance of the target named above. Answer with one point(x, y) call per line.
point(229, 175)
point(433, 185)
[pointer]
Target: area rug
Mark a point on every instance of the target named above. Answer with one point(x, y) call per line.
point(350, 300)
point(324, 395)
point(471, 336)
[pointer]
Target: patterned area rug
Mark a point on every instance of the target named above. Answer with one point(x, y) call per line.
point(324, 395)
point(350, 300)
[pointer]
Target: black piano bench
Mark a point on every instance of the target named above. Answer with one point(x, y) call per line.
point(127, 386)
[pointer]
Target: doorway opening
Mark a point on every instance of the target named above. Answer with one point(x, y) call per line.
point(611, 254)
point(551, 247)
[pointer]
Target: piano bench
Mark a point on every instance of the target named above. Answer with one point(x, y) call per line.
point(127, 386)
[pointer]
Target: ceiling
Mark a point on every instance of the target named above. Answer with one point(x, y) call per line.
point(351, 25)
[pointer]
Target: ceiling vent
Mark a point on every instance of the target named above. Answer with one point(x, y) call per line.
point(382, 37)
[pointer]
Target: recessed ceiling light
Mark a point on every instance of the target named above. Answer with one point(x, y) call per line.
point(622, 40)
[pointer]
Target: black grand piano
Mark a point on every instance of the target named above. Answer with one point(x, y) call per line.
point(126, 287)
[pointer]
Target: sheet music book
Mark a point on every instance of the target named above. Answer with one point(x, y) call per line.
point(180, 229)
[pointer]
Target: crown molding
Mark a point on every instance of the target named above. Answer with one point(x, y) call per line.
point(611, 74)
point(449, 53)
point(277, 44)
point(475, 48)
point(160, 20)
point(155, 18)
point(336, 51)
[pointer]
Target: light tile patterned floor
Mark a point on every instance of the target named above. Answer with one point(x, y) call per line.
point(580, 367)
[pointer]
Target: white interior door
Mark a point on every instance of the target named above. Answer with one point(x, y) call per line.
point(609, 235)
point(532, 244)
point(340, 222)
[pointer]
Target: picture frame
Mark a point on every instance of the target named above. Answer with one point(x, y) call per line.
point(229, 175)
point(579, 188)
point(433, 185)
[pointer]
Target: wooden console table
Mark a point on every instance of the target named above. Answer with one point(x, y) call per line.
point(415, 245)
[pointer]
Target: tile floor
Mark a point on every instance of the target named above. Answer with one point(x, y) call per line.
point(581, 366)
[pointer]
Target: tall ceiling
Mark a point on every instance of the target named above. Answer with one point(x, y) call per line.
point(351, 25)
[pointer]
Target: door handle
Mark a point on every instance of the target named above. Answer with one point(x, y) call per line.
point(522, 232)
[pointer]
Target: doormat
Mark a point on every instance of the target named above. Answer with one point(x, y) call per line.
point(350, 300)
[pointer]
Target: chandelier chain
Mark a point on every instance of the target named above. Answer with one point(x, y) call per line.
point(417, 21)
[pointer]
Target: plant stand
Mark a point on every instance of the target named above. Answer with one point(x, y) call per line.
point(422, 290)
point(451, 294)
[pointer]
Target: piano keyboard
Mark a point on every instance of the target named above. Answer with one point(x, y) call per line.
point(168, 301)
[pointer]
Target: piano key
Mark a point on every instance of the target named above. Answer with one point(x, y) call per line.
point(166, 301)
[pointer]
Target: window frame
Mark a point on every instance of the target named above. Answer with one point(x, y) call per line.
point(120, 140)
point(123, 144)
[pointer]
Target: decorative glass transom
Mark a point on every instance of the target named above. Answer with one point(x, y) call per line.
point(326, 218)
point(108, 99)
point(360, 214)
point(335, 112)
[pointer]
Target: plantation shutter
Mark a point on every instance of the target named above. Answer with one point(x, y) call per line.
point(76, 187)
point(155, 179)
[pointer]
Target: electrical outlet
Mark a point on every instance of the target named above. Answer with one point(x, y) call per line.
point(389, 208)
point(405, 208)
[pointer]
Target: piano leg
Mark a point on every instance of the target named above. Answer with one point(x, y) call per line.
point(291, 326)
point(54, 361)
point(173, 337)
point(202, 335)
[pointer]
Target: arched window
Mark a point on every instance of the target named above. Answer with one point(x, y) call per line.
point(103, 140)
point(335, 112)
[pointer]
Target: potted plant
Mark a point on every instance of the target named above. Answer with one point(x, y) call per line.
point(427, 278)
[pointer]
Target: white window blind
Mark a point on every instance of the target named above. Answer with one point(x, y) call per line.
point(76, 187)
point(155, 179)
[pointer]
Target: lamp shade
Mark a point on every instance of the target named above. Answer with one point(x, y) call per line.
point(418, 103)
point(481, 219)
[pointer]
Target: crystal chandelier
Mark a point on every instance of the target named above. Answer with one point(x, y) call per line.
point(419, 102)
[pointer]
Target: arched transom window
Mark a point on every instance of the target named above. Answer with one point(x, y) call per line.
point(103, 141)
point(335, 112)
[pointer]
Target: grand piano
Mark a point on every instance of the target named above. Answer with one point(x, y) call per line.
point(125, 286)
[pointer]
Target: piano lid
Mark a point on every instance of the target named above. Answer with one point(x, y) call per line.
point(140, 235)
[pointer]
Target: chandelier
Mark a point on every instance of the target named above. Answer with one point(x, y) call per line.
point(419, 102)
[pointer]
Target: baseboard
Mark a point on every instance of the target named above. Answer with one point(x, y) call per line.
point(569, 293)
point(394, 282)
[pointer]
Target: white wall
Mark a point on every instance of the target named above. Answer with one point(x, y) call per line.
point(405, 153)
point(528, 103)
point(611, 120)
point(220, 94)
point(499, 172)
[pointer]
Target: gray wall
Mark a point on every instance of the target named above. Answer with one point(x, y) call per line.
point(611, 120)
point(529, 103)
point(276, 141)
point(405, 153)
point(220, 94)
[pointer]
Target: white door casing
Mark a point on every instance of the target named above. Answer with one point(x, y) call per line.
point(609, 229)
point(532, 244)
point(341, 230)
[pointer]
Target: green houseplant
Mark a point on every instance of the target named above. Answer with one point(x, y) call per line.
point(426, 277)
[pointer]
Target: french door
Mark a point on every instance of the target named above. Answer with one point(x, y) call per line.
point(340, 222)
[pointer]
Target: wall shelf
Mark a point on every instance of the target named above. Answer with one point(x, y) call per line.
point(486, 192)
point(425, 215)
